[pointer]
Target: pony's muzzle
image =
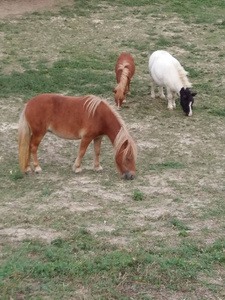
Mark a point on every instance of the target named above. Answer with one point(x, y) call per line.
point(128, 175)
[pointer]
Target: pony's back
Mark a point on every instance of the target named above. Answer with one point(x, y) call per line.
point(167, 71)
point(125, 60)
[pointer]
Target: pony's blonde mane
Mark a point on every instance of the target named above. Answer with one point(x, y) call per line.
point(124, 76)
point(91, 103)
point(183, 76)
point(122, 137)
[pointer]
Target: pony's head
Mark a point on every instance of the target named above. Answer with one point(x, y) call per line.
point(119, 96)
point(187, 100)
point(125, 161)
point(125, 154)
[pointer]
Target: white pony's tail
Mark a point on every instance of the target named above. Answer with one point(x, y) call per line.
point(24, 136)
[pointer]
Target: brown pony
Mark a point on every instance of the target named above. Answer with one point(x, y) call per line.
point(87, 118)
point(124, 69)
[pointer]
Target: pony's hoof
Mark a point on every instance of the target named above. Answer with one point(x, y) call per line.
point(78, 170)
point(170, 107)
point(98, 169)
point(28, 170)
point(37, 169)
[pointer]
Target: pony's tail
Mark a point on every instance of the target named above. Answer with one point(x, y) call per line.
point(24, 136)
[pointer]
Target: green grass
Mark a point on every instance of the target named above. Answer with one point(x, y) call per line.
point(218, 112)
point(166, 165)
point(74, 262)
point(74, 76)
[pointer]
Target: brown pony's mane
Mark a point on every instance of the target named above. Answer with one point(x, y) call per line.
point(122, 137)
point(124, 75)
point(91, 103)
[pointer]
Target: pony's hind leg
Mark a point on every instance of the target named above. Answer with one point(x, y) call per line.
point(28, 167)
point(161, 93)
point(152, 83)
point(83, 147)
point(35, 141)
point(97, 148)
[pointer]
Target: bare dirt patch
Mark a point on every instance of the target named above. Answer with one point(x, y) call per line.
point(18, 234)
point(19, 7)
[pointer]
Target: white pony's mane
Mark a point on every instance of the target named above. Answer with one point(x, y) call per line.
point(91, 103)
point(183, 76)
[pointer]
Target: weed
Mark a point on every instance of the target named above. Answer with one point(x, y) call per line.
point(178, 200)
point(16, 175)
point(179, 224)
point(138, 195)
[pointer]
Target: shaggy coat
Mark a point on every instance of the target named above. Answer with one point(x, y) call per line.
point(166, 71)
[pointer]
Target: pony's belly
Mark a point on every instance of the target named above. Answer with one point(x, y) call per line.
point(65, 134)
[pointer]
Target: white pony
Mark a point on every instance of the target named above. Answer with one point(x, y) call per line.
point(166, 71)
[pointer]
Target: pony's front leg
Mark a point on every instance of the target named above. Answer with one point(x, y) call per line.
point(83, 147)
point(97, 148)
point(174, 99)
point(170, 100)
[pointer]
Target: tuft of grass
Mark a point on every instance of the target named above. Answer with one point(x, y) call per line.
point(178, 200)
point(16, 175)
point(162, 42)
point(138, 195)
point(179, 224)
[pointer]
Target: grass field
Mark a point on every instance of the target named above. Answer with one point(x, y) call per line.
point(93, 235)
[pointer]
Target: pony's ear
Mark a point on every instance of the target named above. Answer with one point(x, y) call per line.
point(193, 94)
point(114, 90)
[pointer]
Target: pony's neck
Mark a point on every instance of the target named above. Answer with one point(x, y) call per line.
point(178, 87)
point(113, 131)
point(183, 81)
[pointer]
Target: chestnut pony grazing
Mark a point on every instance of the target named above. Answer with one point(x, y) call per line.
point(124, 69)
point(87, 118)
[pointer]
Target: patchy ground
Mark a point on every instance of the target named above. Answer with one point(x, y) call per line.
point(180, 163)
